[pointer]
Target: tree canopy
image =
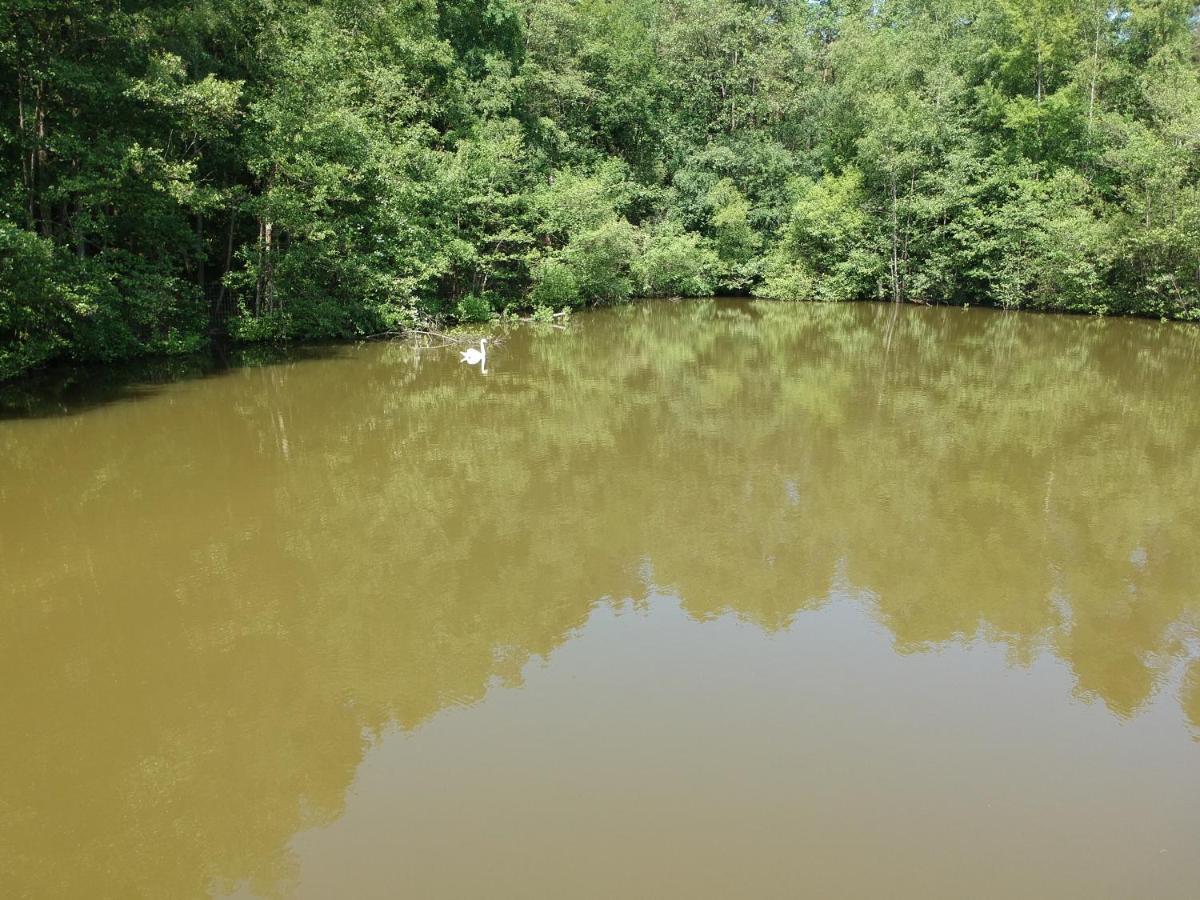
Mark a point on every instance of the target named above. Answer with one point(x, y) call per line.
point(286, 169)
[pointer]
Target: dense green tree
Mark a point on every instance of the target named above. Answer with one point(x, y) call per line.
point(278, 169)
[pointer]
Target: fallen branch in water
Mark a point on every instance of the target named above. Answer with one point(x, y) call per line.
point(445, 337)
point(449, 341)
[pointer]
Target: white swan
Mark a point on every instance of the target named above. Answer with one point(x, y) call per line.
point(474, 357)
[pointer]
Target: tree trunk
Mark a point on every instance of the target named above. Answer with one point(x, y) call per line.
point(80, 238)
point(269, 268)
point(228, 258)
point(1094, 78)
point(895, 266)
point(258, 281)
point(1039, 72)
point(202, 271)
point(26, 159)
point(733, 100)
point(42, 158)
point(895, 245)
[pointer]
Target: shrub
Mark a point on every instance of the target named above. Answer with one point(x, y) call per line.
point(554, 285)
point(827, 241)
point(34, 315)
point(786, 280)
point(473, 308)
point(676, 263)
point(600, 260)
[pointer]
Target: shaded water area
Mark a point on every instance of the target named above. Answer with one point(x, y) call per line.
point(702, 599)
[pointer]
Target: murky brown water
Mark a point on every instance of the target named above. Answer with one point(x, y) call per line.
point(695, 600)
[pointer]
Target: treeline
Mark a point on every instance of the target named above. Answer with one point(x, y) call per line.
point(300, 170)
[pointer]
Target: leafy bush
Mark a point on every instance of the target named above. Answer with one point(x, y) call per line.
point(111, 306)
point(34, 313)
point(473, 308)
point(572, 202)
point(133, 307)
point(828, 241)
point(787, 280)
point(675, 263)
point(554, 285)
point(735, 241)
point(600, 259)
point(1045, 249)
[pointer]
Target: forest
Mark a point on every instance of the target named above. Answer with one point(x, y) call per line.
point(282, 170)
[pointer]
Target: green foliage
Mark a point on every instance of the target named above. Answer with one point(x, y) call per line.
point(294, 170)
point(787, 279)
point(676, 263)
point(554, 285)
point(733, 238)
point(473, 308)
point(35, 311)
point(600, 259)
point(1045, 249)
point(571, 201)
point(107, 307)
point(829, 249)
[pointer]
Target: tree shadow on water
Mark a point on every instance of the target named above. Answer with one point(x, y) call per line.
point(71, 389)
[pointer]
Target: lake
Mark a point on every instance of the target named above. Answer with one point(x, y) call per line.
point(700, 599)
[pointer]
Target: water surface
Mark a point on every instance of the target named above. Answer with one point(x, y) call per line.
point(704, 599)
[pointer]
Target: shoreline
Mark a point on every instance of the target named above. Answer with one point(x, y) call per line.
point(36, 387)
